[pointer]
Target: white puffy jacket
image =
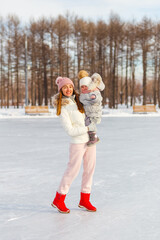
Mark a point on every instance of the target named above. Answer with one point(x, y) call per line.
point(73, 120)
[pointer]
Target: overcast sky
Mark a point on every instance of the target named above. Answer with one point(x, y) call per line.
point(88, 9)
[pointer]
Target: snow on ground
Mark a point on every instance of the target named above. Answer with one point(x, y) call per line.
point(126, 190)
point(20, 113)
point(122, 111)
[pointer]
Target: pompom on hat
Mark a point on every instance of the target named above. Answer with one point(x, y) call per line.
point(61, 81)
point(84, 78)
point(82, 74)
point(95, 81)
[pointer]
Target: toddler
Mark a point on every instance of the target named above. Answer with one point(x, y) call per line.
point(91, 99)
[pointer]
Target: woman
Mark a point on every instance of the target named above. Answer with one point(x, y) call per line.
point(71, 114)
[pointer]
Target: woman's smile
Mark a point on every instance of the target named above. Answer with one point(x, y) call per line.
point(67, 90)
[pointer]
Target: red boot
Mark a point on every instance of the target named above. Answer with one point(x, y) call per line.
point(58, 203)
point(85, 203)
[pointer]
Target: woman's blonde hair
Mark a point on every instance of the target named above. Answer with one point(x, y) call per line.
point(59, 102)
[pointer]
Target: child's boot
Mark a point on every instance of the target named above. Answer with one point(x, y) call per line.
point(93, 139)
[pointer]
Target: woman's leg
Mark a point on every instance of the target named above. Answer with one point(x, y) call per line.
point(89, 167)
point(89, 163)
point(76, 153)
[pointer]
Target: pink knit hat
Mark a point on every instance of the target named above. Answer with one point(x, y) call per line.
point(61, 81)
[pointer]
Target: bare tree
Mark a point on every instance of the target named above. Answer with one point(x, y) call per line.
point(2, 76)
point(64, 45)
point(144, 36)
point(17, 51)
point(61, 31)
point(114, 30)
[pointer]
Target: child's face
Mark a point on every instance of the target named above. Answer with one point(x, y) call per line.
point(84, 88)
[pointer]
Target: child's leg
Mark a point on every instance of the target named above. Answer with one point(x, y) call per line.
point(89, 163)
point(92, 134)
point(76, 153)
point(96, 120)
point(92, 127)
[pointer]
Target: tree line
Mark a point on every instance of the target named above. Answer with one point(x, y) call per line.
point(125, 54)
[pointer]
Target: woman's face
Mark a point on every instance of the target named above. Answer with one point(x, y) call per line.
point(67, 90)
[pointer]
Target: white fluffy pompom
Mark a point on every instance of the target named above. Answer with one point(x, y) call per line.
point(58, 80)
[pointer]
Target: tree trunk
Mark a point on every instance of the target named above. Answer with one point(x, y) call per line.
point(144, 76)
point(126, 79)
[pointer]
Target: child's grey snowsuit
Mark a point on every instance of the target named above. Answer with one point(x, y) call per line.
point(93, 108)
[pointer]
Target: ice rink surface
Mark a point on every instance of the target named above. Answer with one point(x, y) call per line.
point(126, 187)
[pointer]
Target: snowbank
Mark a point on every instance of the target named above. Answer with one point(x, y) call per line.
point(20, 113)
point(122, 111)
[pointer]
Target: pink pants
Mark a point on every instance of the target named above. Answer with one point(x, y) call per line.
point(76, 154)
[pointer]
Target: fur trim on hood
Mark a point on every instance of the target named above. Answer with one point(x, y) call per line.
point(65, 101)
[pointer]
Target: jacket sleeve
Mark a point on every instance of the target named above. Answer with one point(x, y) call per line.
point(87, 100)
point(97, 99)
point(71, 130)
point(101, 86)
